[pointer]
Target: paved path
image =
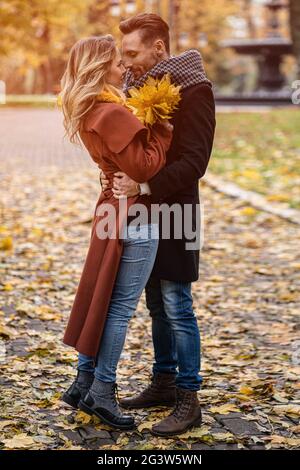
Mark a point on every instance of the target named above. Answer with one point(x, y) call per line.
point(35, 138)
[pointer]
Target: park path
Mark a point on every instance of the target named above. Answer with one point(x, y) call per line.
point(246, 301)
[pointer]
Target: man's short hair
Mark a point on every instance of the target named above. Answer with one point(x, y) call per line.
point(150, 25)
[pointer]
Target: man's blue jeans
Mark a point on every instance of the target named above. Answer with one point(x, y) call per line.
point(138, 256)
point(175, 333)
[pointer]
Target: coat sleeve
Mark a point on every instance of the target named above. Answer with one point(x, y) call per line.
point(195, 141)
point(124, 138)
point(140, 160)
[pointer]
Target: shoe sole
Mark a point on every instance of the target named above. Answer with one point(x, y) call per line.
point(69, 400)
point(83, 407)
point(137, 407)
point(197, 422)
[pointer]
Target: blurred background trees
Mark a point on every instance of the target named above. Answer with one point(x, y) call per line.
point(36, 36)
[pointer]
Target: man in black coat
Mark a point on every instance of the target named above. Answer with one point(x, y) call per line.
point(176, 336)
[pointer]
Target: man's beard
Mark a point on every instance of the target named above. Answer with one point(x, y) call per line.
point(139, 72)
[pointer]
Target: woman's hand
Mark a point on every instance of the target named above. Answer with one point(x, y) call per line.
point(167, 125)
point(163, 124)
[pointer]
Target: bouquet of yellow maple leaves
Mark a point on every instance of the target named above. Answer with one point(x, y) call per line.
point(154, 102)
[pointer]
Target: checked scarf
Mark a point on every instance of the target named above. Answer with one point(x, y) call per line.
point(186, 70)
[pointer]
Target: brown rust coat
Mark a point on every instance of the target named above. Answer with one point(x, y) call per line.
point(117, 141)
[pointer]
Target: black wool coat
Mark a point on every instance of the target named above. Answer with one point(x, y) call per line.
point(178, 182)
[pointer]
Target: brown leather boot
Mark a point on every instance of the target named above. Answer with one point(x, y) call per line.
point(160, 392)
point(187, 413)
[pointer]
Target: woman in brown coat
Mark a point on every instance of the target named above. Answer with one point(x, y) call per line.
point(120, 258)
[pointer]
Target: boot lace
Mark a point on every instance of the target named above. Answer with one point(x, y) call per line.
point(113, 394)
point(115, 391)
point(181, 408)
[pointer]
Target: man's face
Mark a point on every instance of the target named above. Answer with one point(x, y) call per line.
point(139, 57)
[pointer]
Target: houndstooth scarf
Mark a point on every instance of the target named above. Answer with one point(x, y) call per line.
point(185, 69)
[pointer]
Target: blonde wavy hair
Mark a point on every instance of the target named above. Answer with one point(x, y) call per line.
point(88, 64)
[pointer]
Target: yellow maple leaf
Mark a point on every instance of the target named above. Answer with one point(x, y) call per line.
point(6, 243)
point(20, 441)
point(224, 409)
point(155, 101)
point(246, 390)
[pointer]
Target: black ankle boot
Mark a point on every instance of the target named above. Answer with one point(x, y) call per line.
point(79, 388)
point(101, 401)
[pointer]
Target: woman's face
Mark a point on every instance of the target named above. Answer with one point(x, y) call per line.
point(117, 71)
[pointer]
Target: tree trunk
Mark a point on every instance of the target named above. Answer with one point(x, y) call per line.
point(295, 30)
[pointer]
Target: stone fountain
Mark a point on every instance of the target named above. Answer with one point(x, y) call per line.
point(270, 87)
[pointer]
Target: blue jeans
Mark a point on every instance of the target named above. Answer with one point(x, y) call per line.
point(138, 256)
point(175, 333)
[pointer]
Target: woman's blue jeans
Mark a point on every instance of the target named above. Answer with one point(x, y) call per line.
point(138, 256)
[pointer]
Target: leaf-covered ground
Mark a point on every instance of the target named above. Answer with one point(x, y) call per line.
point(261, 152)
point(246, 301)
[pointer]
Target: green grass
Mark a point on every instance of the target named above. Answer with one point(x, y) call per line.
point(38, 101)
point(260, 152)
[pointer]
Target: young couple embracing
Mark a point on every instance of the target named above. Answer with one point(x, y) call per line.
point(160, 164)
